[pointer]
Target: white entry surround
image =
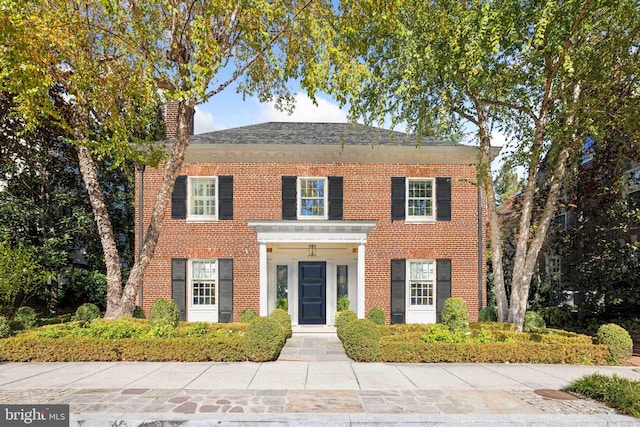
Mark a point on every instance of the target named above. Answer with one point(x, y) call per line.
point(335, 242)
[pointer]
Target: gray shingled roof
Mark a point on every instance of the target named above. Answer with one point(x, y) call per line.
point(313, 133)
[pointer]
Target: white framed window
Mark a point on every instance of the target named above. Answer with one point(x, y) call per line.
point(203, 282)
point(420, 199)
point(421, 284)
point(633, 181)
point(560, 221)
point(202, 194)
point(312, 198)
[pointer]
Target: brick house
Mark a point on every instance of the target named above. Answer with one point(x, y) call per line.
point(308, 212)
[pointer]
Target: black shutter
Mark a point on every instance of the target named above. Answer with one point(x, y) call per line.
point(225, 290)
point(289, 194)
point(179, 198)
point(397, 197)
point(225, 197)
point(398, 290)
point(443, 199)
point(335, 197)
point(443, 284)
point(179, 285)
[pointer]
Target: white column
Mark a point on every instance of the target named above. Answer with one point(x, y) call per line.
point(360, 284)
point(264, 307)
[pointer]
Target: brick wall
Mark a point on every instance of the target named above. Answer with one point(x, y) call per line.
point(257, 196)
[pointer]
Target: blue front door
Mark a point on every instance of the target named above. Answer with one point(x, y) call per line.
point(312, 293)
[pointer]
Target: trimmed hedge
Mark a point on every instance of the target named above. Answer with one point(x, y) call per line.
point(361, 340)
point(618, 340)
point(394, 350)
point(342, 319)
point(247, 315)
point(37, 349)
point(376, 315)
point(283, 318)
point(264, 339)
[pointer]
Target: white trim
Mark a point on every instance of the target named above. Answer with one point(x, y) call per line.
point(202, 312)
point(420, 313)
point(360, 281)
point(325, 198)
point(312, 231)
point(420, 218)
point(194, 218)
point(264, 275)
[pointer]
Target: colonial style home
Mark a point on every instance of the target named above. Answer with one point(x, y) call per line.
point(298, 215)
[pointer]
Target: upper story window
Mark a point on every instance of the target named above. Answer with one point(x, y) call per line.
point(312, 198)
point(202, 198)
point(633, 181)
point(588, 149)
point(554, 267)
point(420, 198)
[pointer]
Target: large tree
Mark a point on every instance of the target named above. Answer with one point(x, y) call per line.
point(114, 58)
point(539, 71)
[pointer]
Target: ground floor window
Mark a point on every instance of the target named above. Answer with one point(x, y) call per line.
point(203, 279)
point(421, 283)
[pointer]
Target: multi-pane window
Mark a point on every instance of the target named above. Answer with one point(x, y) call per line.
point(312, 194)
point(554, 268)
point(202, 197)
point(203, 282)
point(420, 198)
point(633, 181)
point(421, 282)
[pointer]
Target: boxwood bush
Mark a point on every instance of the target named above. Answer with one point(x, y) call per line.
point(164, 312)
point(264, 339)
point(488, 314)
point(5, 328)
point(284, 320)
point(533, 321)
point(455, 315)
point(87, 312)
point(26, 317)
point(376, 315)
point(618, 340)
point(247, 315)
point(361, 340)
point(342, 319)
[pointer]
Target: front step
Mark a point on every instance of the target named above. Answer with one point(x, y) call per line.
point(313, 329)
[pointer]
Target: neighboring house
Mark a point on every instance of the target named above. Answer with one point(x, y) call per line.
point(307, 212)
point(591, 253)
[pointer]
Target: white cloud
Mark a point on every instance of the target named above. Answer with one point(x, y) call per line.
point(203, 122)
point(305, 111)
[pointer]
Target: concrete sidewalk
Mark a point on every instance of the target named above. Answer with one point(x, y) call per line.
point(313, 383)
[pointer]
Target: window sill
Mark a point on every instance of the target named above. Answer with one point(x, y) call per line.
point(201, 220)
point(419, 221)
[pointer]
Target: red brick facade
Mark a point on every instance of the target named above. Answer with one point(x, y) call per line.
point(257, 195)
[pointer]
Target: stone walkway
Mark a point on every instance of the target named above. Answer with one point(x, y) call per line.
point(313, 347)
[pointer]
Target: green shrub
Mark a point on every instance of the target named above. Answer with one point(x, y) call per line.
point(284, 320)
point(376, 315)
point(361, 340)
point(533, 321)
point(455, 315)
point(440, 333)
point(283, 304)
point(247, 315)
point(556, 316)
point(138, 313)
point(113, 329)
point(488, 314)
point(87, 312)
point(161, 331)
point(618, 340)
point(263, 340)
point(26, 317)
point(5, 329)
point(622, 394)
point(164, 312)
point(196, 330)
point(343, 303)
point(343, 318)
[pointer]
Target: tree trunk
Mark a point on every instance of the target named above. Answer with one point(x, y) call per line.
point(103, 223)
point(127, 303)
point(486, 179)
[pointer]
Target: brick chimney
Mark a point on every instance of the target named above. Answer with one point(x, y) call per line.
point(171, 119)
